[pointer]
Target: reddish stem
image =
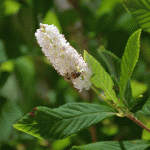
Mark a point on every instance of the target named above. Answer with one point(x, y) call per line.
point(138, 122)
point(93, 134)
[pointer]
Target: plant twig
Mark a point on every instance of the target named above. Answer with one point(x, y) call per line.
point(103, 97)
point(93, 133)
point(134, 119)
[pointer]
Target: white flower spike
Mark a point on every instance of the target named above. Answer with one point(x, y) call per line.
point(64, 58)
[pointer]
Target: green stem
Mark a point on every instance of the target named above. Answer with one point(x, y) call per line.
point(103, 97)
point(130, 116)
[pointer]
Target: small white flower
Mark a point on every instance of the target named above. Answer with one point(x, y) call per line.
point(64, 58)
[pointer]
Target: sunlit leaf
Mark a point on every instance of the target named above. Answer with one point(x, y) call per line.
point(146, 134)
point(101, 79)
point(129, 59)
point(61, 144)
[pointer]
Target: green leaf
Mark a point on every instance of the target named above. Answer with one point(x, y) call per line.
point(3, 56)
point(101, 78)
point(64, 121)
point(129, 60)
point(3, 77)
point(24, 71)
point(126, 23)
point(10, 112)
point(145, 134)
point(115, 145)
point(146, 107)
point(132, 91)
point(140, 10)
point(112, 62)
point(144, 114)
point(61, 144)
point(128, 97)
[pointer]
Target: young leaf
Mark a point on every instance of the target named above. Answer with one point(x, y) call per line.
point(129, 60)
point(61, 122)
point(140, 10)
point(116, 84)
point(144, 114)
point(115, 145)
point(112, 62)
point(128, 97)
point(101, 78)
point(146, 107)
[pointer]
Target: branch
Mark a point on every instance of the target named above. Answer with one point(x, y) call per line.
point(134, 119)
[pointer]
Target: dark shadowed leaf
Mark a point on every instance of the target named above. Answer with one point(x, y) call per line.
point(61, 122)
point(140, 10)
point(115, 145)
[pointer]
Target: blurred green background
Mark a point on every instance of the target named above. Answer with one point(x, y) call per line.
point(27, 79)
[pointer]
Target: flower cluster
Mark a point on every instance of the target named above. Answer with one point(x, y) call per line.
point(64, 58)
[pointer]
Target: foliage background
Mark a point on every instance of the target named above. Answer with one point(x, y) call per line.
point(27, 80)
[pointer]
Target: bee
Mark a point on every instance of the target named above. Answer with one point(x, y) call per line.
point(73, 75)
point(67, 77)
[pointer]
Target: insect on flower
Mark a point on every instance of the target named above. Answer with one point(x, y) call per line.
point(67, 77)
point(73, 75)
